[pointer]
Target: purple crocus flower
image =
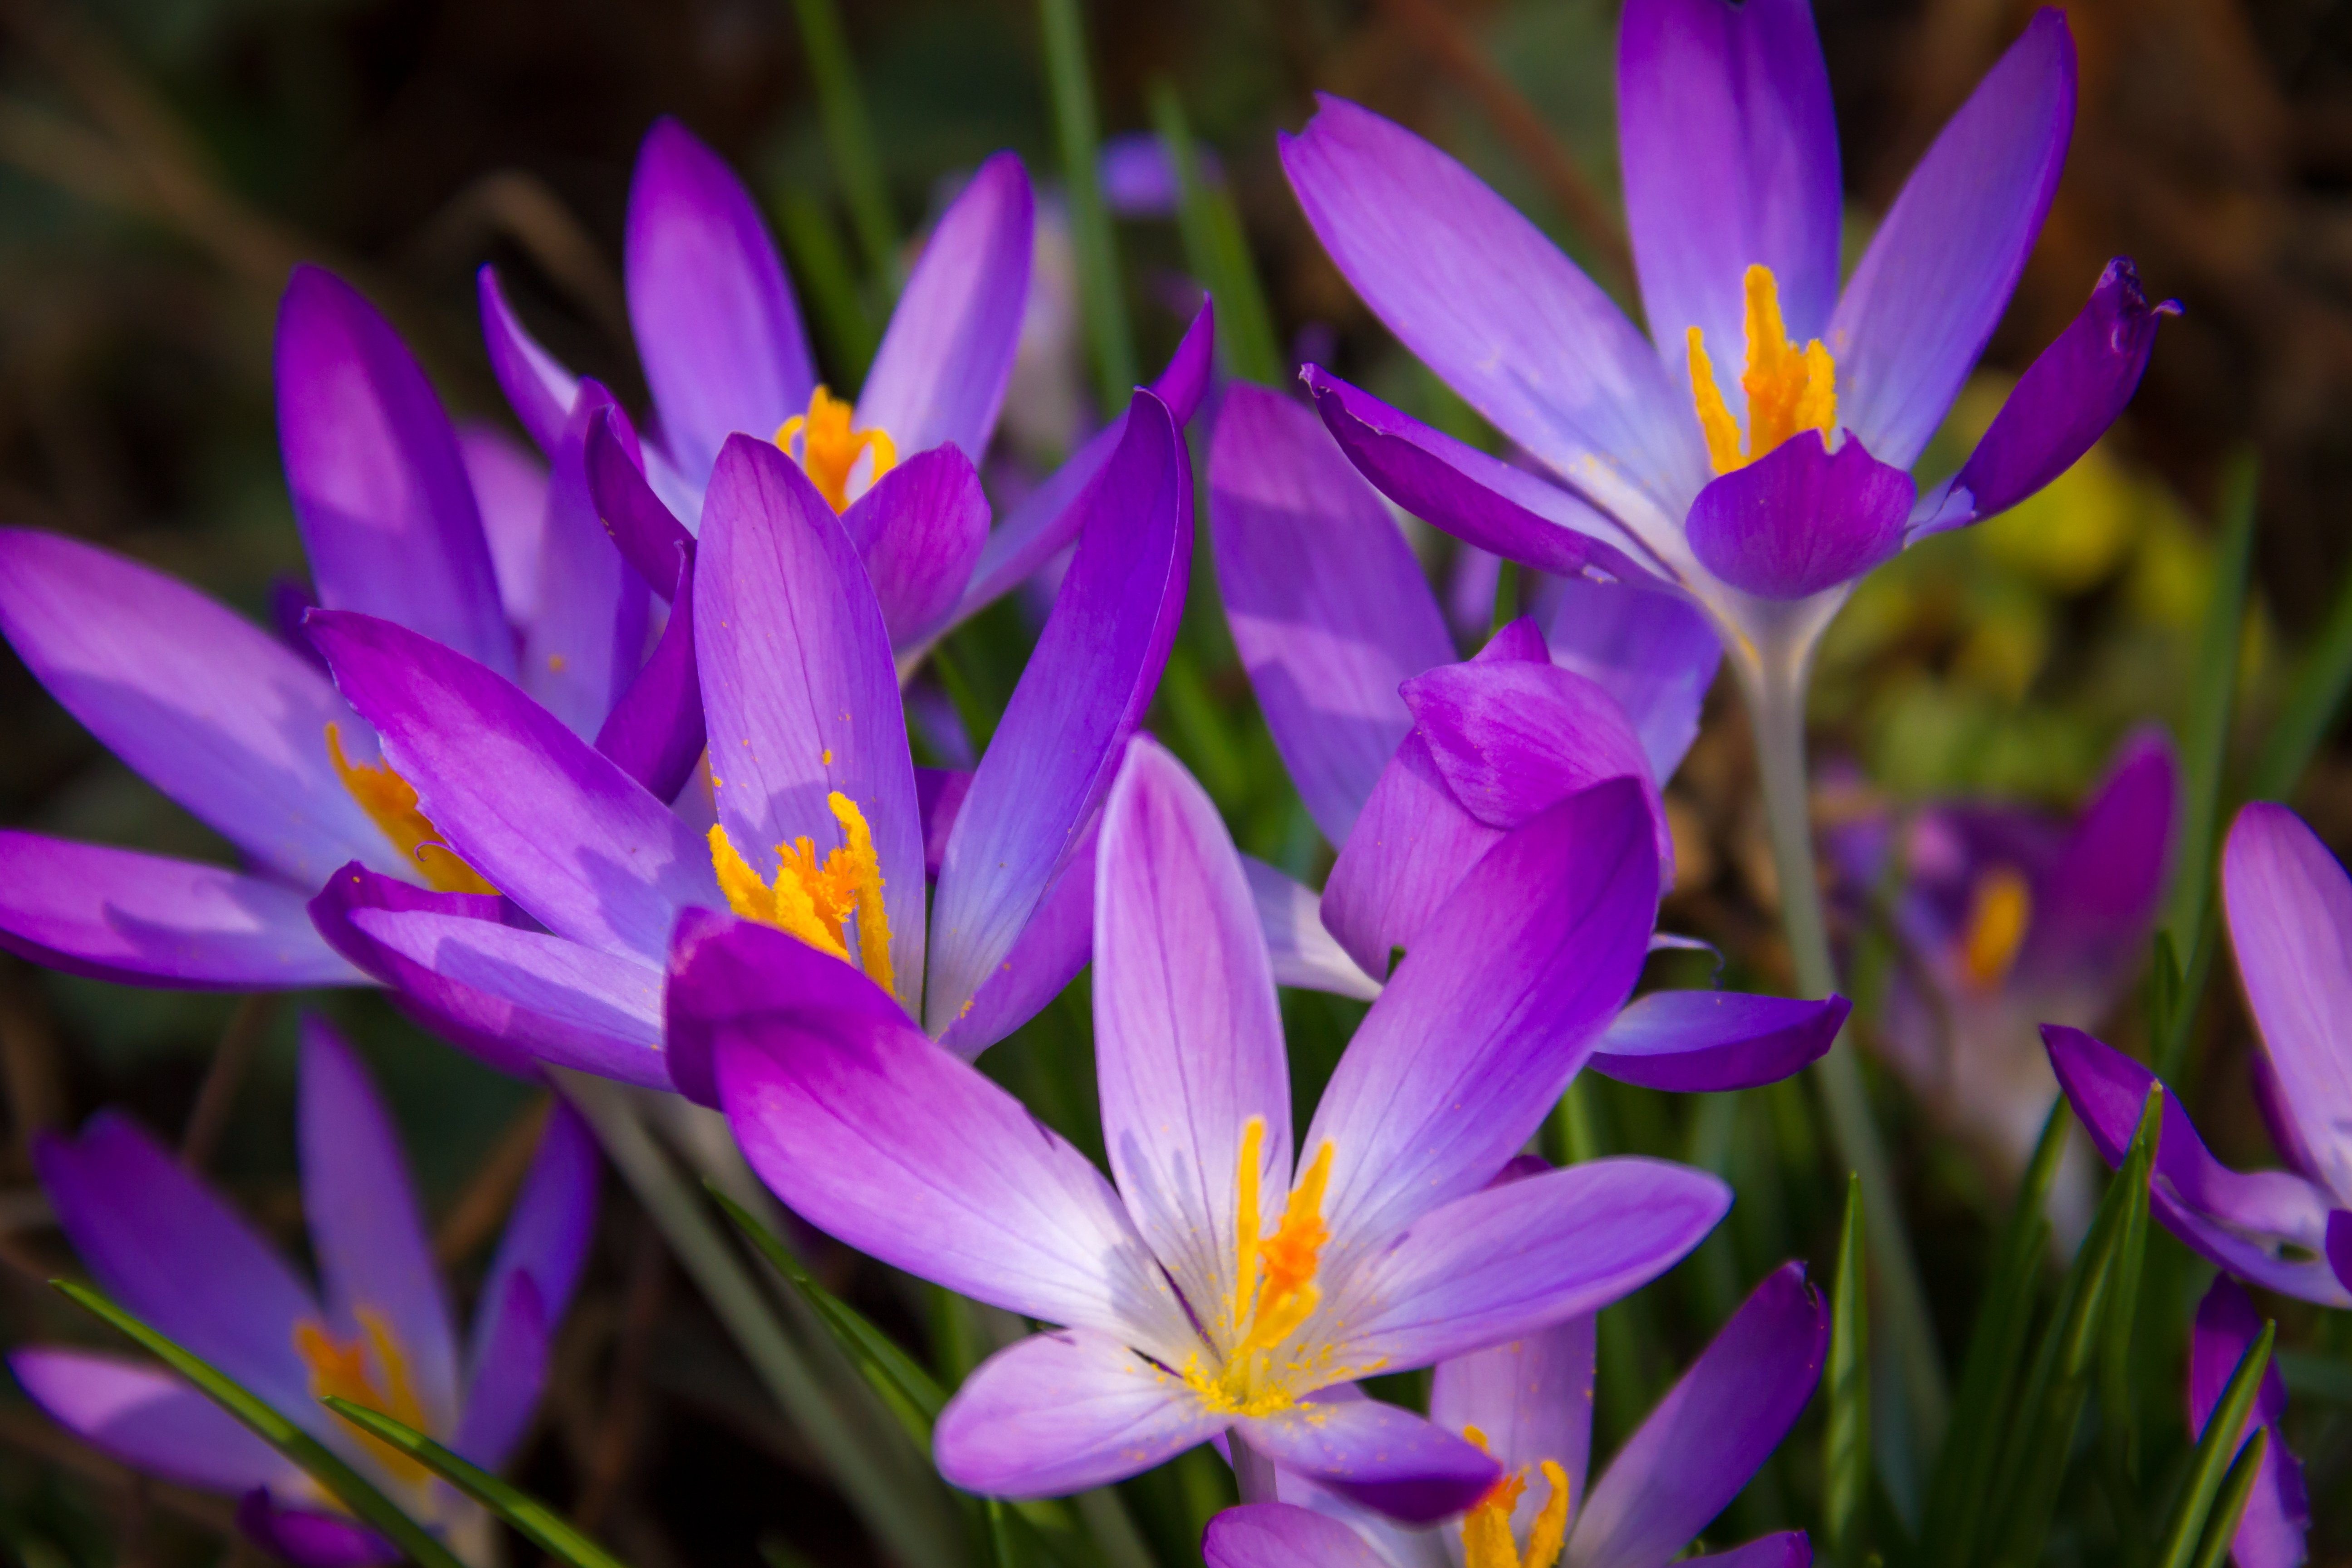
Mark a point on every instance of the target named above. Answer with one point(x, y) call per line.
point(1413, 764)
point(798, 695)
point(1222, 1283)
point(1760, 496)
point(461, 540)
point(1530, 1403)
point(172, 1251)
point(2290, 913)
point(724, 351)
point(2278, 1512)
point(2012, 918)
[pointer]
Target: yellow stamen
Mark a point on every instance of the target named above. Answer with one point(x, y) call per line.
point(1999, 910)
point(1789, 389)
point(343, 1368)
point(829, 448)
point(812, 899)
point(1486, 1528)
point(1273, 1287)
point(391, 803)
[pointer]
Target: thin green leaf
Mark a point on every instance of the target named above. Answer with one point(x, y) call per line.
point(1216, 250)
point(1071, 86)
point(2237, 1488)
point(2184, 1527)
point(822, 266)
point(1845, 1440)
point(321, 1464)
point(2118, 1421)
point(526, 1514)
point(849, 136)
point(2204, 742)
point(999, 1518)
point(2322, 678)
point(2161, 1000)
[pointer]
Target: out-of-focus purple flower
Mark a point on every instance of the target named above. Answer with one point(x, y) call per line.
point(1138, 177)
point(2290, 912)
point(794, 686)
point(456, 536)
point(380, 1335)
point(1415, 766)
point(2010, 918)
point(1530, 1403)
point(1761, 496)
point(1219, 1284)
point(2271, 1532)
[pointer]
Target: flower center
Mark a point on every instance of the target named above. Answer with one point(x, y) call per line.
point(2000, 909)
point(391, 803)
point(1273, 1288)
point(369, 1369)
point(1487, 1528)
point(828, 449)
point(1789, 389)
point(814, 900)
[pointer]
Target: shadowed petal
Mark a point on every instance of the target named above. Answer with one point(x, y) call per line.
point(1061, 1412)
point(1789, 1549)
point(1655, 653)
point(643, 528)
point(655, 733)
point(508, 1373)
point(1301, 952)
point(2271, 1532)
point(1532, 1397)
point(589, 636)
point(547, 1235)
point(918, 530)
point(310, 1540)
point(2095, 907)
point(1404, 857)
point(1280, 1535)
point(1696, 1041)
point(537, 388)
point(1051, 950)
point(1801, 519)
point(1378, 1457)
point(510, 490)
point(149, 1419)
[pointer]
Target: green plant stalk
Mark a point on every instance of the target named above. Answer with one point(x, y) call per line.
point(1216, 250)
point(1845, 1436)
point(1775, 698)
point(823, 268)
point(2185, 1526)
point(2322, 678)
point(321, 1464)
point(542, 1524)
point(1071, 88)
point(2237, 1487)
point(908, 1529)
point(849, 137)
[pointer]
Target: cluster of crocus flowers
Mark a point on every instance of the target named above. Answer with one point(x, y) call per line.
point(1529, 1403)
point(378, 1334)
point(1760, 486)
point(1223, 1279)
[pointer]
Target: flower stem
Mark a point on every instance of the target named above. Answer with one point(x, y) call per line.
point(1252, 1471)
point(1776, 699)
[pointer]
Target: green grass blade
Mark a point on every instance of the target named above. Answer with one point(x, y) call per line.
point(2237, 1487)
point(321, 1464)
point(849, 136)
point(1216, 250)
point(542, 1524)
point(1071, 86)
point(1845, 1440)
point(2185, 1526)
point(2322, 678)
point(822, 266)
point(2204, 743)
point(2118, 1419)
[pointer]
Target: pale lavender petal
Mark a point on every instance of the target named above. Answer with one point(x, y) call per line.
point(386, 511)
point(1302, 953)
point(2063, 404)
point(149, 1419)
point(310, 1540)
point(589, 636)
point(1405, 856)
point(1730, 155)
point(2290, 912)
point(869, 1131)
point(1711, 1433)
point(643, 528)
point(716, 324)
point(1789, 1549)
point(1511, 1260)
point(1928, 292)
point(918, 530)
point(537, 388)
point(2271, 1532)
point(1281, 1535)
point(1655, 653)
point(1697, 1041)
point(1092, 675)
point(1378, 1457)
point(1532, 1397)
point(544, 818)
point(367, 1230)
point(213, 711)
point(510, 490)
point(655, 733)
point(509, 1373)
point(1484, 299)
point(1052, 948)
point(940, 372)
point(2267, 1227)
point(1329, 607)
point(1801, 519)
point(1061, 1412)
point(798, 686)
point(145, 919)
point(1188, 1041)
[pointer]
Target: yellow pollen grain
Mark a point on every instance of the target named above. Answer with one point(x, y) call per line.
point(1789, 389)
point(391, 803)
point(2000, 910)
point(815, 900)
point(829, 450)
point(343, 1368)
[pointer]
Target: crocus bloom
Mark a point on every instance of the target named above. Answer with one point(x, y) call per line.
point(1761, 493)
point(1413, 764)
point(453, 539)
point(1530, 1403)
point(2010, 918)
point(807, 745)
point(724, 351)
point(170, 1250)
point(2290, 913)
point(1222, 1282)
point(2270, 1532)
